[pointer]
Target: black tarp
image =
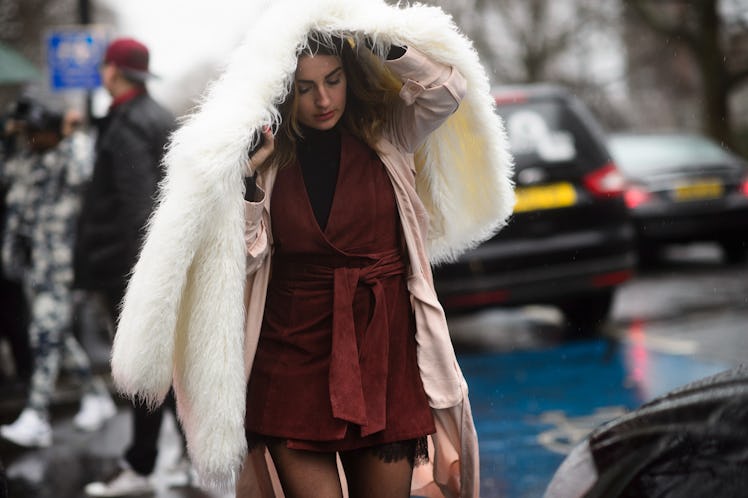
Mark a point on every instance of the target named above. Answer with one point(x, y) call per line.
point(690, 442)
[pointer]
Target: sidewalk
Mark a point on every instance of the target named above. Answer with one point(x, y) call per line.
point(94, 339)
point(77, 458)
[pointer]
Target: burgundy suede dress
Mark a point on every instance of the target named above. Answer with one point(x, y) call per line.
point(336, 366)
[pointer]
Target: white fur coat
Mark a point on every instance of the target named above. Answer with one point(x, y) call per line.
point(183, 318)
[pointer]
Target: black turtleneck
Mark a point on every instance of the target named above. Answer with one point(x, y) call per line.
point(319, 155)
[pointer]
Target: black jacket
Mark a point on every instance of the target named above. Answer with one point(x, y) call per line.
point(121, 193)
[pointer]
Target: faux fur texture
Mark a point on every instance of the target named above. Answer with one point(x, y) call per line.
point(183, 317)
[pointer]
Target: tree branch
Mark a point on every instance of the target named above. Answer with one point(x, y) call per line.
point(660, 25)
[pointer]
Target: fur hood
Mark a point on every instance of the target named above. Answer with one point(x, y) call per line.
point(183, 315)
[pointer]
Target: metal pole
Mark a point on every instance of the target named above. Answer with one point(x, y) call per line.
point(84, 11)
point(84, 17)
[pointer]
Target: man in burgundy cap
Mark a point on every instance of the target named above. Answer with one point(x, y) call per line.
point(129, 147)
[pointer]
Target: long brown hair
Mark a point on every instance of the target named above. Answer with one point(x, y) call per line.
point(371, 97)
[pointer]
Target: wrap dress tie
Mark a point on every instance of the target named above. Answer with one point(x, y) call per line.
point(336, 362)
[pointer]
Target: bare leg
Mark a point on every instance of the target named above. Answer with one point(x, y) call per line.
point(370, 475)
point(306, 474)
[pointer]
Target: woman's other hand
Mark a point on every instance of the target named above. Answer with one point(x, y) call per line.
point(259, 155)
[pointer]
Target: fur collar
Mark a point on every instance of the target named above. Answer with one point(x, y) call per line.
point(463, 167)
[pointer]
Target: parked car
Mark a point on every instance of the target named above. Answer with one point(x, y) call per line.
point(684, 188)
point(570, 241)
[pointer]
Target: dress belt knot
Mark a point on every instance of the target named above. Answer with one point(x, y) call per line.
point(358, 372)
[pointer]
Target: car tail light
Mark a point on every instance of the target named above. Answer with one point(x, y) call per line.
point(475, 299)
point(510, 98)
point(636, 195)
point(605, 182)
point(612, 278)
point(744, 187)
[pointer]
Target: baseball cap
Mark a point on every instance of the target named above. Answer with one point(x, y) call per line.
point(131, 56)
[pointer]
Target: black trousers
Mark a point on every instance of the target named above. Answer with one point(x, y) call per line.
point(14, 326)
point(146, 424)
point(143, 450)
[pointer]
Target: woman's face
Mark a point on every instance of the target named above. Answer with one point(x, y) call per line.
point(320, 91)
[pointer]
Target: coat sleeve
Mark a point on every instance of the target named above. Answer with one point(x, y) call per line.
point(134, 179)
point(431, 92)
point(255, 232)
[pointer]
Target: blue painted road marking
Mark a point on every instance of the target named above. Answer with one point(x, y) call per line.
point(529, 405)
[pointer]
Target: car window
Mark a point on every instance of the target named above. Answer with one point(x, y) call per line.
point(640, 154)
point(531, 133)
point(546, 132)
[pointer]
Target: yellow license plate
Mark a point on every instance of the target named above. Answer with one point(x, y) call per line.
point(556, 195)
point(707, 189)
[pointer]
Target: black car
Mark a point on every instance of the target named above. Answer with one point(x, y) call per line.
point(684, 188)
point(570, 241)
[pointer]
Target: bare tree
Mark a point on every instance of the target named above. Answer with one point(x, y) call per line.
point(564, 41)
point(23, 22)
point(533, 40)
point(717, 44)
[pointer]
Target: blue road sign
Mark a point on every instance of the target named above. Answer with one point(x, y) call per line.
point(73, 57)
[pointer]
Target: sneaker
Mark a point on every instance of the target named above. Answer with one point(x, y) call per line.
point(30, 430)
point(95, 410)
point(180, 474)
point(126, 483)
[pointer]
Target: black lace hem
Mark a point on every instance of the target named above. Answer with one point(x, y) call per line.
point(415, 450)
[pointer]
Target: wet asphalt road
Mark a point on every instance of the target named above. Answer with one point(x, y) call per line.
point(534, 392)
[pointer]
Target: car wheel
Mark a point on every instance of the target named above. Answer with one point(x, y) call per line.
point(735, 251)
point(585, 314)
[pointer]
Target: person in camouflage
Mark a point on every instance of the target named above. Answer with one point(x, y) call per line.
point(14, 310)
point(43, 206)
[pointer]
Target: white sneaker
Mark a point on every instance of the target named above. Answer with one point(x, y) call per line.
point(180, 474)
point(30, 430)
point(95, 410)
point(126, 483)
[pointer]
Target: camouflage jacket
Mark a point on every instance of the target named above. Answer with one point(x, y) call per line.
point(42, 208)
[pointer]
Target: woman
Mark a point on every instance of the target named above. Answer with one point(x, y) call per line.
point(339, 286)
point(417, 174)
